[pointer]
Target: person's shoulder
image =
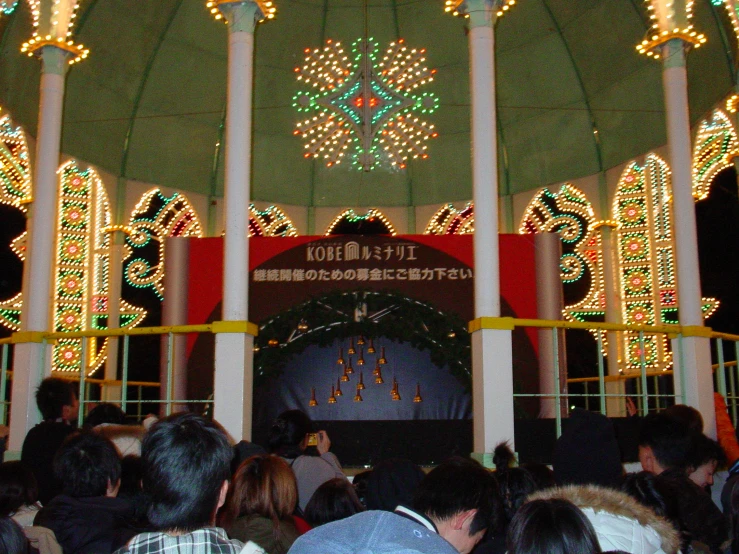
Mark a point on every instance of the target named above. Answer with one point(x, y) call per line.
point(376, 530)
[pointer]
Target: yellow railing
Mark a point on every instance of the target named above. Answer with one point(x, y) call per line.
point(729, 388)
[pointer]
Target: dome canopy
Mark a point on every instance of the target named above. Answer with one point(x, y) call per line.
point(574, 97)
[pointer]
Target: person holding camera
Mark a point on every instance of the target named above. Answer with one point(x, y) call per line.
point(289, 436)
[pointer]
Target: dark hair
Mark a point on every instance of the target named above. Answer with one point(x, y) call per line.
point(288, 432)
point(52, 395)
point(391, 483)
point(687, 416)
point(85, 464)
point(503, 456)
point(515, 485)
point(333, 500)
point(12, 539)
point(670, 441)
point(647, 489)
point(457, 485)
point(186, 459)
point(542, 474)
point(360, 483)
point(553, 526)
point(263, 485)
point(704, 450)
point(132, 472)
point(18, 487)
point(105, 413)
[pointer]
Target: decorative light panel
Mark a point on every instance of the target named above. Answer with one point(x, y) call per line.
point(365, 107)
point(82, 269)
point(155, 218)
point(570, 214)
point(450, 221)
point(716, 145)
point(372, 215)
point(8, 6)
point(15, 170)
point(670, 20)
point(643, 210)
point(732, 6)
point(52, 22)
point(461, 7)
point(272, 222)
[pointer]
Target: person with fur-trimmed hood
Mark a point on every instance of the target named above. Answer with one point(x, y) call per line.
point(620, 522)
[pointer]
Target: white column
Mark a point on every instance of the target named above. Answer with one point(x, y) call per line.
point(174, 312)
point(32, 362)
point(234, 355)
point(694, 360)
point(612, 284)
point(492, 357)
point(549, 305)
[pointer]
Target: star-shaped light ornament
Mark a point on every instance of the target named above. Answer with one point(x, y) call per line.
point(365, 105)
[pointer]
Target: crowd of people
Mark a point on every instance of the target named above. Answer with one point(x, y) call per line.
point(179, 486)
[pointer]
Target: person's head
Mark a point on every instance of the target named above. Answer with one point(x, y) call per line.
point(18, 487)
point(705, 456)
point(587, 453)
point(687, 416)
point(287, 436)
point(12, 538)
point(87, 465)
point(56, 399)
point(461, 498)
point(649, 491)
point(664, 443)
point(332, 501)
point(186, 460)
point(105, 413)
point(391, 483)
point(553, 526)
point(263, 485)
point(514, 484)
point(132, 472)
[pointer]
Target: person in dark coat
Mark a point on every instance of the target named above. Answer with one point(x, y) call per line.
point(58, 404)
point(87, 518)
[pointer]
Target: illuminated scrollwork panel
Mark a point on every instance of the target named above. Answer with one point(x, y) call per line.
point(450, 221)
point(716, 145)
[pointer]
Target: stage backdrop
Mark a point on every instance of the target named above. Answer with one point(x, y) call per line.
point(413, 295)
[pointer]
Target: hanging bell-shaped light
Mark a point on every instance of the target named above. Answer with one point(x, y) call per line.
point(351, 347)
point(349, 368)
point(340, 361)
point(360, 340)
point(313, 402)
point(395, 392)
point(383, 359)
point(358, 396)
point(378, 376)
point(360, 385)
point(338, 387)
point(332, 398)
point(345, 376)
point(302, 326)
point(418, 398)
point(360, 361)
point(371, 347)
point(377, 370)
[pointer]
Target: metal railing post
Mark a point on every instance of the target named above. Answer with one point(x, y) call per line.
point(643, 371)
point(721, 372)
point(601, 375)
point(557, 384)
point(124, 375)
point(83, 371)
point(4, 384)
point(170, 372)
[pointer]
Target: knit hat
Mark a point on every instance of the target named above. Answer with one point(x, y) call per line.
point(587, 453)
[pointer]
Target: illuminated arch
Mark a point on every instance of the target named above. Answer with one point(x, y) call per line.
point(715, 145)
point(82, 267)
point(642, 208)
point(155, 218)
point(450, 221)
point(373, 215)
point(570, 214)
point(272, 222)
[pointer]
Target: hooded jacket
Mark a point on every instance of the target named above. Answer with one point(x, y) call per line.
point(620, 522)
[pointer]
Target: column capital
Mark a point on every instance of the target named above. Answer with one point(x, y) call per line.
point(481, 13)
point(56, 56)
point(242, 15)
point(670, 21)
point(673, 53)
